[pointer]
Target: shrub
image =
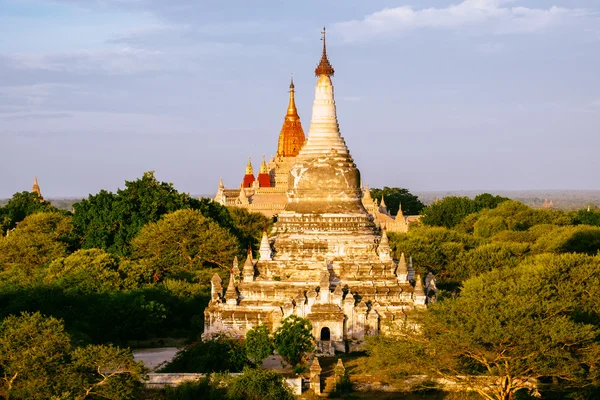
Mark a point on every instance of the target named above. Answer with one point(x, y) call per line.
point(218, 355)
point(259, 384)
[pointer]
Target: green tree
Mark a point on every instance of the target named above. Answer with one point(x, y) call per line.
point(37, 361)
point(519, 329)
point(448, 212)
point(259, 384)
point(39, 238)
point(432, 248)
point(106, 372)
point(110, 221)
point(516, 216)
point(184, 241)
point(293, 338)
point(249, 227)
point(259, 344)
point(586, 217)
point(95, 271)
point(33, 354)
point(569, 239)
point(396, 197)
point(20, 206)
point(486, 200)
point(485, 258)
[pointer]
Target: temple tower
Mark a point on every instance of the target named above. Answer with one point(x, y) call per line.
point(291, 137)
point(326, 259)
point(36, 188)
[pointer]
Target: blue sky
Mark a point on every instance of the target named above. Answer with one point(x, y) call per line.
point(431, 94)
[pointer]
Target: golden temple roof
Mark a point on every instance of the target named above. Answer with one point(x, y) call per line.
point(324, 67)
point(291, 137)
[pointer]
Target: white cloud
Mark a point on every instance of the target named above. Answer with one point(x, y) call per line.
point(483, 16)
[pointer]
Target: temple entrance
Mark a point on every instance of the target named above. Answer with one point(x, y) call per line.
point(325, 334)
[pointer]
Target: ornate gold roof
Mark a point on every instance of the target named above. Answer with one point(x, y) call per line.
point(324, 67)
point(291, 137)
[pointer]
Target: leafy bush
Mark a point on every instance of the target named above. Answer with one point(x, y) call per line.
point(205, 388)
point(218, 355)
point(259, 384)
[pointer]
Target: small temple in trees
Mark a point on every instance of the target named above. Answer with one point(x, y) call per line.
point(327, 259)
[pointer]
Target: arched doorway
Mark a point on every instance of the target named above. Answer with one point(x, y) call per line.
point(325, 334)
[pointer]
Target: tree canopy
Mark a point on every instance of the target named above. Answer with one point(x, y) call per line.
point(537, 321)
point(109, 221)
point(183, 242)
point(451, 210)
point(20, 206)
point(38, 239)
point(38, 361)
point(396, 197)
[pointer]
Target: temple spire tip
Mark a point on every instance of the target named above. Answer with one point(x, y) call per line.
point(324, 67)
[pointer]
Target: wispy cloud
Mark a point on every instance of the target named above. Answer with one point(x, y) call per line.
point(123, 61)
point(485, 16)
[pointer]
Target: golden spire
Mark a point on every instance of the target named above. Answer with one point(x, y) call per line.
point(324, 67)
point(292, 112)
point(291, 137)
point(263, 166)
point(249, 170)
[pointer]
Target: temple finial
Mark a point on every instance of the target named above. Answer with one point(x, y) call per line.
point(249, 170)
point(292, 112)
point(263, 166)
point(324, 67)
point(292, 82)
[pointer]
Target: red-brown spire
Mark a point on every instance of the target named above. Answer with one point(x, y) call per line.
point(324, 67)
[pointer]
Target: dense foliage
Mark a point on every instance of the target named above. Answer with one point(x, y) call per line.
point(20, 206)
point(252, 384)
point(515, 300)
point(537, 321)
point(451, 210)
point(124, 267)
point(38, 361)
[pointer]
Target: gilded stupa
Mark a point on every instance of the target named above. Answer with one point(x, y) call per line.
point(327, 260)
